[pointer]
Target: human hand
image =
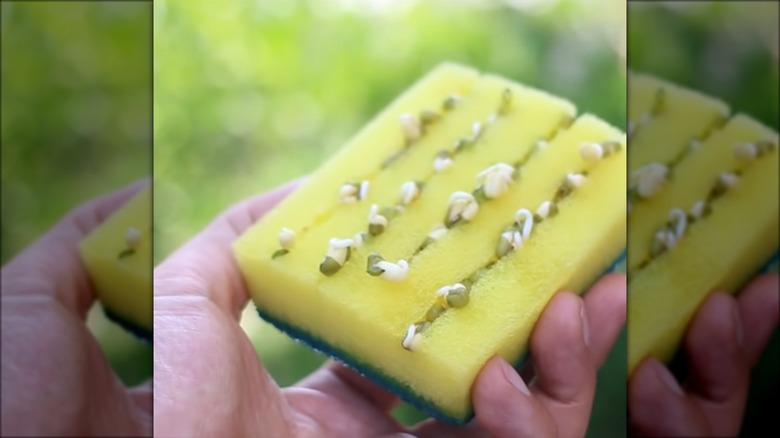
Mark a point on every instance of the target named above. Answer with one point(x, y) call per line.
point(55, 379)
point(723, 342)
point(209, 382)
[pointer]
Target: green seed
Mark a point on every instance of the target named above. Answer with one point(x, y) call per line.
point(389, 212)
point(506, 101)
point(392, 158)
point(462, 144)
point(427, 117)
point(422, 326)
point(553, 210)
point(458, 298)
point(373, 259)
point(657, 248)
point(449, 103)
point(375, 271)
point(375, 229)
point(434, 312)
point(126, 253)
point(503, 247)
point(279, 253)
point(444, 153)
point(763, 147)
point(479, 195)
point(660, 101)
point(426, 243)
point(329, 266)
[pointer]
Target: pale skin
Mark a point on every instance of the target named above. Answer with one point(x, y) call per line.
point(209, 381)
point(55, 379)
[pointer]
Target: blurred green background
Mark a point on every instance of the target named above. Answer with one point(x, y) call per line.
point(728, 50)
point(725, 49)
point(251, 94)
point(76, 123)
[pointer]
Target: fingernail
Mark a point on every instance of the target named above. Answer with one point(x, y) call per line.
point(512, 377)
point(585, 327)
point(666, 376)
point(738, 329)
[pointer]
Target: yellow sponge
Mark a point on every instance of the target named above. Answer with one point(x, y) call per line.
point(118, 257)
point(435, 238)
point(703, 215)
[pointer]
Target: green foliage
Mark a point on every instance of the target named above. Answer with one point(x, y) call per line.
point(724, 49)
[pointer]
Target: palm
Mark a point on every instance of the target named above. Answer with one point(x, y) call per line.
point(55, 377)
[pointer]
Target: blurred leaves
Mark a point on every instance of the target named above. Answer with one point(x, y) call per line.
point(75, 108)
point(724, 49)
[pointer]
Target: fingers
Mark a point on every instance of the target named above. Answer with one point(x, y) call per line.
point(724, 339)
point(504, 405)
point(719, 369)
point(565, 373)
point(758, 310)
point(52, 265)
point(605, 304)
point(658, 406)
point(204, 266)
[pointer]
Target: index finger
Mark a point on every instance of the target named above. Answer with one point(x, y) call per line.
point(204, 266)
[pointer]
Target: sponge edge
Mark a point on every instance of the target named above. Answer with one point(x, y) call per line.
point(137, 331)
point(377, 376)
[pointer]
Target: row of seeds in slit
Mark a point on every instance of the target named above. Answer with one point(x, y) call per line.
point(414, 128)
point(646, 181)
point(667, 236)
point(511, 239)
point(379, 218)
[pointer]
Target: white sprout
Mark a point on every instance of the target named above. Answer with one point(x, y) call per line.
point(745, 151)
point(132, 237)
point(441, 164)
point(338, 249)
point(591, 152)
point(286, 238)
point(363, 190)
point(678, 217)
point(374, 218)
point(544, 209)
point(526, 219)
point(729, 179)
point(395, 272)
point(649, 179)
point(349, 193)
point(462, 205)
point(411, 126)
point(408, 192)
point(411, 337)
point(575, 179)
point(495, 180)
point(697, 210)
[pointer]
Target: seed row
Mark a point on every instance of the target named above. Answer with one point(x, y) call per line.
point(457, 295)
